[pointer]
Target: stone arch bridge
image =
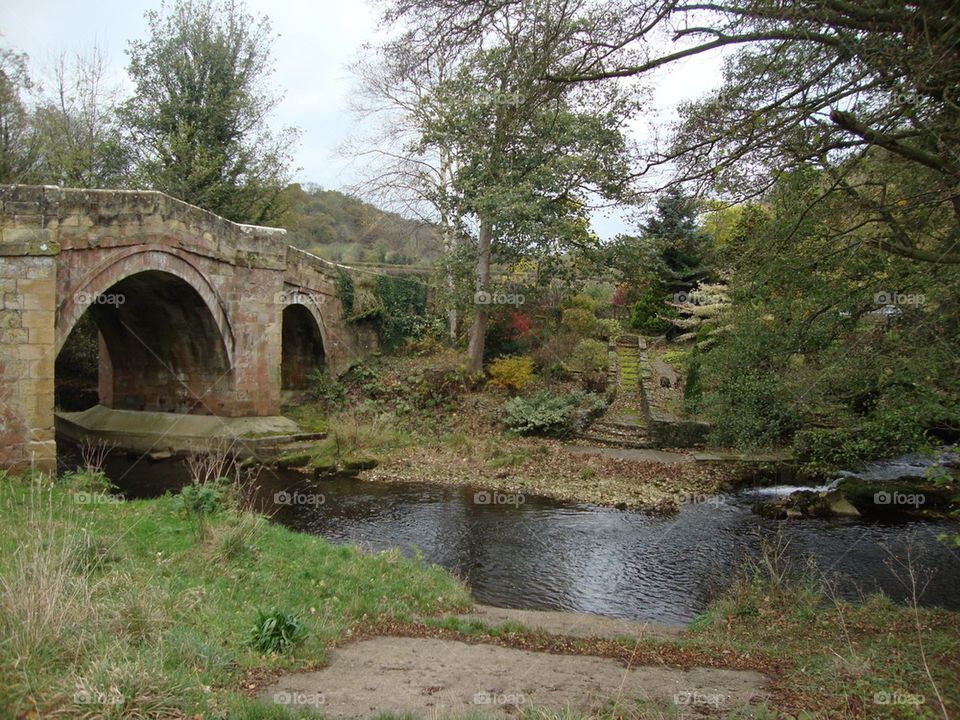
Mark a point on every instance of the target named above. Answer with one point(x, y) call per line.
point(196, 315)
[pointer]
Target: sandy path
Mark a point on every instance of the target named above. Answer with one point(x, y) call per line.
point(429, 678)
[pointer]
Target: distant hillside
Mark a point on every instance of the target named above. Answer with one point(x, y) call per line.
point(342, 228)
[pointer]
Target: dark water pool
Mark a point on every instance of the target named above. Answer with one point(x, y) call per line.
point(548, 555)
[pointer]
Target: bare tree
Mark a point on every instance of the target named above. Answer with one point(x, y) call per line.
point(80, 143)
point(403, 171)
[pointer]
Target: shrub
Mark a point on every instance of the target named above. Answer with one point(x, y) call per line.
point(546, 414)
point(584, 302)
point(200, 501)
point(511, 373)
point(610, 329)
point(275, 631)
point(327, 390)
point(505, 336)
point(550, 356)
point(589, 355)
point(579, 322)
point(202, 498)
point(403, 314)
point(885, 433)
point(752, 410)
point(89, 481)
point(649, 313)
point(425, 345)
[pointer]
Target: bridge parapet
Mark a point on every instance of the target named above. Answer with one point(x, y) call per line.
point(79, 219)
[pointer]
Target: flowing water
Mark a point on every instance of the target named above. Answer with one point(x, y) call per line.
point(543, 554)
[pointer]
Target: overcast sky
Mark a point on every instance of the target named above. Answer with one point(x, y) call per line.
point(318, 40)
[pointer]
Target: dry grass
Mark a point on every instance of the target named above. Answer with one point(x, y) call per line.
point(47, 595)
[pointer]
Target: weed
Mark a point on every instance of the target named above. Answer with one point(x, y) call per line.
point(275, 631)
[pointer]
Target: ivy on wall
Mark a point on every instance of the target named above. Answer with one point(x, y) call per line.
point(346, 290)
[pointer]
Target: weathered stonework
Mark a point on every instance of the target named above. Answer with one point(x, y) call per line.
point(666, 430)
point(190, 308)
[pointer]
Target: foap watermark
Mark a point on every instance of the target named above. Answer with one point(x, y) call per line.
point(98, 697)
point(485, 697)
point(885, 497)
point(700, 499)
point(299, 699)
point(695, 697)
point(897, 697)
point(285, 497)
point(695, 297)
point(894, 298)
point(97, 498)
point(85, 299)
point(509, 295)
point(492, 497)
point(297, 297)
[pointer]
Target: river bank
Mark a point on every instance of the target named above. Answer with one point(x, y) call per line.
point(119, 608)
point(552, 469)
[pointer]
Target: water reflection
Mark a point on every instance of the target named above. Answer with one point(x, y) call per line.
point(549, 555)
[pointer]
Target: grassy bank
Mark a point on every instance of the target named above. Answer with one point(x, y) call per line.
point(129, 609)
point(135, 609)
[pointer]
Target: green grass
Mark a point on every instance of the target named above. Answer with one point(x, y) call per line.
point(844, 655)
point(116, 609)
point(678, 359)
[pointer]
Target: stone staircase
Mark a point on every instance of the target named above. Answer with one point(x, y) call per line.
point(623, 425)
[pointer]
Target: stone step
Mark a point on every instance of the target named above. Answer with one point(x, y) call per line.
point(637, 443)
point(619, 428)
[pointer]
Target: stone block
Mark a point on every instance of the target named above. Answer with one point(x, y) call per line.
point(42, 335)
point(36, 318)
point(14, 336)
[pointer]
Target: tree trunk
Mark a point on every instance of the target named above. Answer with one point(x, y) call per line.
point(478, 330)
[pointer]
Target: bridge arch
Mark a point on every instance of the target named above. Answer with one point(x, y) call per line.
point(163, 345)
point(76, 299)
point(303, 337)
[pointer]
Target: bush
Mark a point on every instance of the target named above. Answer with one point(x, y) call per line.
point(610, 329)
point(887, 432)
point(511, 373)
point(87, 480)
point(327, 390)
point(649, 313)
point(589, 355)
point(549, 358)
point(275, 631)
point(753, 410)
point(546, 414)
point(202, 498)
point(584, 302)
point(579, 322)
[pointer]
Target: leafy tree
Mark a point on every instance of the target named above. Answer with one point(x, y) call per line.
point(864, 343)
point(18, 141)
point(876, 106)
point(527, 152)
point(197, 120)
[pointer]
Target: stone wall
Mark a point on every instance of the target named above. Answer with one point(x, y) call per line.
point(27, 349)
point(665, 429)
